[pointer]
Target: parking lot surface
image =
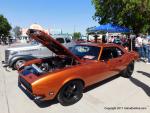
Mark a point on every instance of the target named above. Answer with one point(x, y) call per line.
point(118, 94)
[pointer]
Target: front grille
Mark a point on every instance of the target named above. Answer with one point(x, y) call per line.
point(26, 84)
point(7, 52)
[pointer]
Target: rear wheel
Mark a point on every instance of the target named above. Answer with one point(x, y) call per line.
point(70, 93)
point(128, 71)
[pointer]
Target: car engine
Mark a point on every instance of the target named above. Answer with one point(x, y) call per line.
point(49, 65)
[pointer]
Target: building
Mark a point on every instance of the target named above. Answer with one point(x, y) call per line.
point(24, 38)
point(33, 26)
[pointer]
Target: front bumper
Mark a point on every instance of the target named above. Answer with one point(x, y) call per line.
point(5, 64)
point(30, 94)
point(28, 91)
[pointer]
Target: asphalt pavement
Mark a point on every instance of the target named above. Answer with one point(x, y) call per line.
point(116, 95)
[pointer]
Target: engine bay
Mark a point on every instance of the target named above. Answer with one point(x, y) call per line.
point(49, 65)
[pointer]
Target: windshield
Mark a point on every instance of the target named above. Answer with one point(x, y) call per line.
point(87, 52)
point(33, 42)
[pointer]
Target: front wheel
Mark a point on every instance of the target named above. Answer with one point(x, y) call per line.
point(70, 93)
point(128, 71)
point(18, 63)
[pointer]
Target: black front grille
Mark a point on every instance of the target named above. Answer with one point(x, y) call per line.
point(25, 83)
point(7, 52)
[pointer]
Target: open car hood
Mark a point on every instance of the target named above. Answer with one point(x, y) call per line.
point(50, 43)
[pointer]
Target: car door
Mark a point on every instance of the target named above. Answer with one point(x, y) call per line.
point(38, 50)
point(93, 71)
point(107, 58)
point(111, 63)
point(117, 63)
point(97, 71)
point(44, 52)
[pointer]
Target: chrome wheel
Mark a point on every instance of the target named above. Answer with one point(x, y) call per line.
point(18, 63)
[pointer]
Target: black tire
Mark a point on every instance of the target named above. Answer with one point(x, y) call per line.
point(70, 93)
point(14, 66)
point(128, 71)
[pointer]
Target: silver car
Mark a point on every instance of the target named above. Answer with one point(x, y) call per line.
point(16, 55)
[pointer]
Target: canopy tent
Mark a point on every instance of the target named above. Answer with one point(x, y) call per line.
point(110, 28)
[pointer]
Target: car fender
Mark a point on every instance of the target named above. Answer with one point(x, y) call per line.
point(16, 57)
point(65, 82)
point(72, 79)
point(68, 80)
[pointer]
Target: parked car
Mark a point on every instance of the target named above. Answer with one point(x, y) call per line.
point(21, 54)
point(148, 37)
point(66, 74)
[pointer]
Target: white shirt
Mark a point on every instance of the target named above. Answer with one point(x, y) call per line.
point(145, 41)
point(138, 42)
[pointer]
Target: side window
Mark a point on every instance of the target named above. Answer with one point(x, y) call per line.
point(117, 52)
point(60, 40)
point(106, 54)
point(67, 40)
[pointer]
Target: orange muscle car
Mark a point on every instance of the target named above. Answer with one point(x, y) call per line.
point(65, 74)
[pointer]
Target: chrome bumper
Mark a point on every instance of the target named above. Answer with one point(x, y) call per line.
point(5, 64)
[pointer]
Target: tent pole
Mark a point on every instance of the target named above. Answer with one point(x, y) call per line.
point(131, 45)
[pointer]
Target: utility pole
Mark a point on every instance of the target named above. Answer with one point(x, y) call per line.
point(61, 32)
point(74, 29)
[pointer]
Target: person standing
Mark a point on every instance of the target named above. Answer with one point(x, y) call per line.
point(131, 43)
point(148, 46)
point(145, 48)
point(104, 39)
point(117, 40)
point(111, 39)
point(138, 45)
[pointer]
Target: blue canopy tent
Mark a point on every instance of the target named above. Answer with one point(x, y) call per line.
point(107, 28)
point(110, 28)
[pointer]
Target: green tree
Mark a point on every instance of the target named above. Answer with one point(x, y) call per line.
point(76, 35)
point(130, 13)
point(17, 31)
point(5, 28)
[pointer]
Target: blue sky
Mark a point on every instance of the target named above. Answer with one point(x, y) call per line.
point(58, 14)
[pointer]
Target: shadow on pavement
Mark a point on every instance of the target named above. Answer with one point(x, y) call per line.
point(135, 81)
point(45, 104)
point(100, 83)
point(144, 73)
point(26, 92)
point(51, 102)
point(140, 84)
